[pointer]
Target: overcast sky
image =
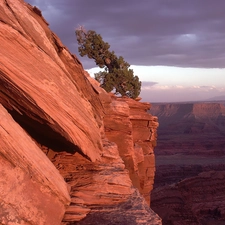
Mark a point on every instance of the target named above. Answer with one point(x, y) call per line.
point(166, 42)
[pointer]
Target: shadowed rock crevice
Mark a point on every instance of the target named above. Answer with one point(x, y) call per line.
point(44, 134)
point(32, 119)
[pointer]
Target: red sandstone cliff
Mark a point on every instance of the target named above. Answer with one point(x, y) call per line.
point(69, 152)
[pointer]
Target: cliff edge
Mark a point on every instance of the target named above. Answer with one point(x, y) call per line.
point(70, 153)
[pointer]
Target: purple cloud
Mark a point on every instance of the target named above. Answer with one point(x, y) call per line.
point(158, 32)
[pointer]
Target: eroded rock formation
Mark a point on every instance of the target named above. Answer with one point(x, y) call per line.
point(197, 200)
point(70, 153)
point(190, 163)
point(31, 188)
point(134, 132)
point(185, 127)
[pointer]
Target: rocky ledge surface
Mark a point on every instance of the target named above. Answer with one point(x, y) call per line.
point(70, 153)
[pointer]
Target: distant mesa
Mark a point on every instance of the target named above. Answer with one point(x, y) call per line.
point(217, 98)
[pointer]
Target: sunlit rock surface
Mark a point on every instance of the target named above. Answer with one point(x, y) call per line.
point(31, 188)
point(60, 162)
point(134, 131)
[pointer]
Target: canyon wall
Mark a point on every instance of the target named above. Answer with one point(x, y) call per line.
point(70, 153)
point(189, 179)
point(187, 126)
point(198, 200)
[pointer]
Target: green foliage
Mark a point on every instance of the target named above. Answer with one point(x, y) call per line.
point(117, 76)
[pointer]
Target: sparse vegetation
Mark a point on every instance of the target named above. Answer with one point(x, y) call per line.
point(117, 77)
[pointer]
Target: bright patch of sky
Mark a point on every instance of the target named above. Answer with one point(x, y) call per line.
point(177, 76)
point(165, 75)
point(169, 84)
point(187, 38)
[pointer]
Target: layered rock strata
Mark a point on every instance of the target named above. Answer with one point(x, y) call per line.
point(187, 127)
point(134, 131)
point(31, 188)
point(60, 162)
point(190, 163)
point(198, 200)
point(102, 193)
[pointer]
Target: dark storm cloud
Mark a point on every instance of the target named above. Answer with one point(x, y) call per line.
point(148, 32)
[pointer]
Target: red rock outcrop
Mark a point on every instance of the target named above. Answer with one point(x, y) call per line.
point(56, 122)
point(102, 192)
point(134, 131)
point(27, 43)
point(31, 189)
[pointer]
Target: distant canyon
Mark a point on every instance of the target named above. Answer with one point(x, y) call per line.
point(190, 163)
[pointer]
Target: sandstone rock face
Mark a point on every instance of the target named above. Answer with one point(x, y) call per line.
point(134, 131)
point(26, 45)
point(62, 158)
point(32, 190)
point(102, 193)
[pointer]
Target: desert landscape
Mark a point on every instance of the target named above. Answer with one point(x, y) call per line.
point(70, 153)
point(73, 153)
point(190, 163)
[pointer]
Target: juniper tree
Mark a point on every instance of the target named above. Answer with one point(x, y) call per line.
point(117, 76)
